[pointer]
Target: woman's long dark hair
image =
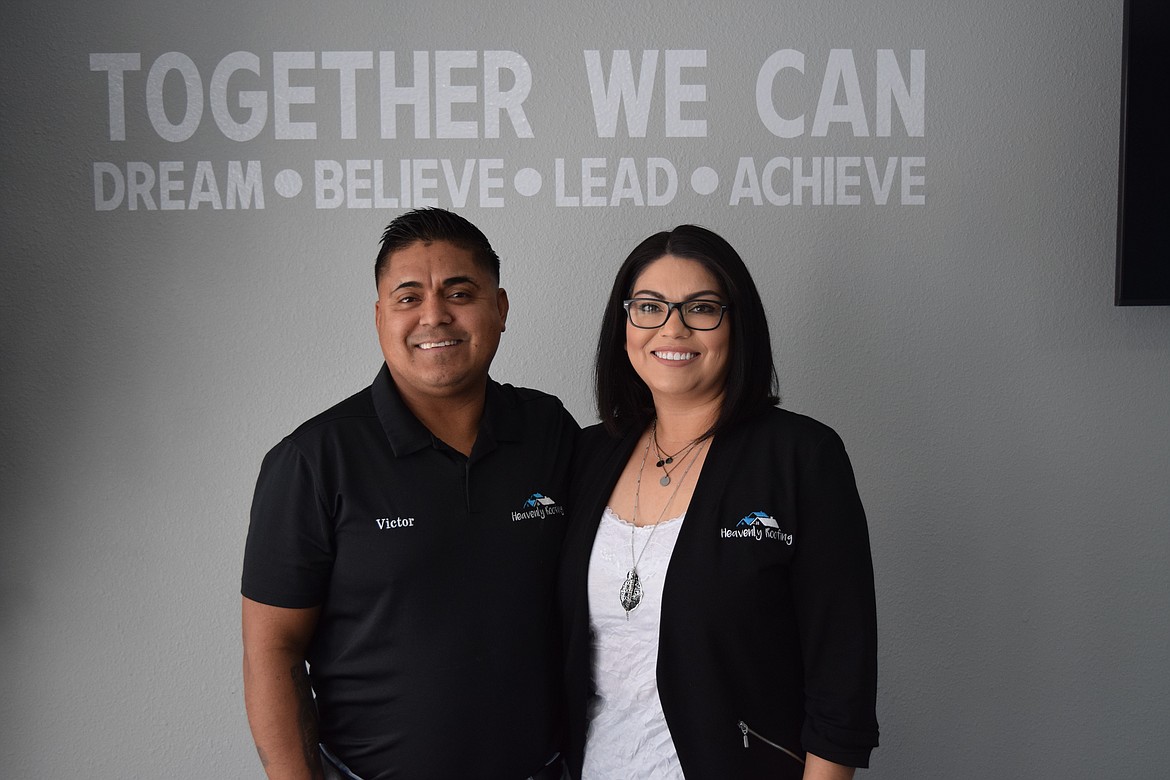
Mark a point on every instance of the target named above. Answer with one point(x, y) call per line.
point(623, 399)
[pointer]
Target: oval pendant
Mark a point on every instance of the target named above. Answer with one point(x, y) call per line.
point(665, 480)
point(631, 592)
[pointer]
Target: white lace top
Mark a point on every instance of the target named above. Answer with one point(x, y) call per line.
point(627, 735)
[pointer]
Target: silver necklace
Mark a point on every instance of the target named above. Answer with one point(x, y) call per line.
point(664, 458)
point(630, 594)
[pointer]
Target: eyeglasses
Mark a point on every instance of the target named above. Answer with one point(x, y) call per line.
point(653, 313)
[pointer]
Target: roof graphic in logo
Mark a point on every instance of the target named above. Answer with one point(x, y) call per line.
point(757, 519)
point(536, 499)
point(538, 506)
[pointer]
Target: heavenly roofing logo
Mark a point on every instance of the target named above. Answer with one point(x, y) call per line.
point(756, 525)
point(539, 506)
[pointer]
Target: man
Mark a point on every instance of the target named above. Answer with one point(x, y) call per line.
point(404, 544)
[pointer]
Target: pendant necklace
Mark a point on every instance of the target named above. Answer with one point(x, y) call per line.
point(630, 594)
point(665, 459)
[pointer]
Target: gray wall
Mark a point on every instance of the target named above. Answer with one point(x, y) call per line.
point(1009, 427)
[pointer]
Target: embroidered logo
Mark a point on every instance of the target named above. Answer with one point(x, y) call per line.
point(538, 506)
point(387, 523)
point(756, 525)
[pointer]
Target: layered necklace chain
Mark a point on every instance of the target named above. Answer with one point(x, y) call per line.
point(664, 458)
point(630, 594)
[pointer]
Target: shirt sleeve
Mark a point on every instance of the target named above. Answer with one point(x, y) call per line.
point(832, 581)
point(288, 557)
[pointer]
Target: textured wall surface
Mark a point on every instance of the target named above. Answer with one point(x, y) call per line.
point(1009, 427)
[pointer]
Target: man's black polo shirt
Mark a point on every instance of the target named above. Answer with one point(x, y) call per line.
point(436, 652)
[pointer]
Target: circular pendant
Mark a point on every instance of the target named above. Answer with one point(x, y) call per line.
point(631, 592)
point(665, 480)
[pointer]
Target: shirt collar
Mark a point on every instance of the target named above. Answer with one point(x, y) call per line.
point(501, 418)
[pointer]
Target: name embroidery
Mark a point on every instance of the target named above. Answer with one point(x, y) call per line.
point(385, 523)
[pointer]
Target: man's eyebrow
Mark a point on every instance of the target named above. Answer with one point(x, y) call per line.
point(448, 282)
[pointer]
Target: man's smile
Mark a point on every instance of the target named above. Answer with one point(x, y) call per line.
point(436, 344)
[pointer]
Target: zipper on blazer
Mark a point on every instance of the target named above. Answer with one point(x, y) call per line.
point(746, 729)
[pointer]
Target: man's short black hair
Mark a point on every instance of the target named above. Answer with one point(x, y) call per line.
point(623, 399)
point(428, 225)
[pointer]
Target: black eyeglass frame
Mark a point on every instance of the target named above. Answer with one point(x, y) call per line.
point(672, 306)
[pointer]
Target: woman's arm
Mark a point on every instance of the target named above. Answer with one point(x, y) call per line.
point(833, 593)
point(817, 768)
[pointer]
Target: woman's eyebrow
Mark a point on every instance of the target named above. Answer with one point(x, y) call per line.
point(691, 297)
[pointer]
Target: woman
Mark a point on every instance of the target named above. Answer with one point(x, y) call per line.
point(716, 584)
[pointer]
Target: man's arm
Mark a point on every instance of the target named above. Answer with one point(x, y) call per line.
point(277, 695)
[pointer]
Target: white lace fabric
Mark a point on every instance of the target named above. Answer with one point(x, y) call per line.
point(627, 735)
